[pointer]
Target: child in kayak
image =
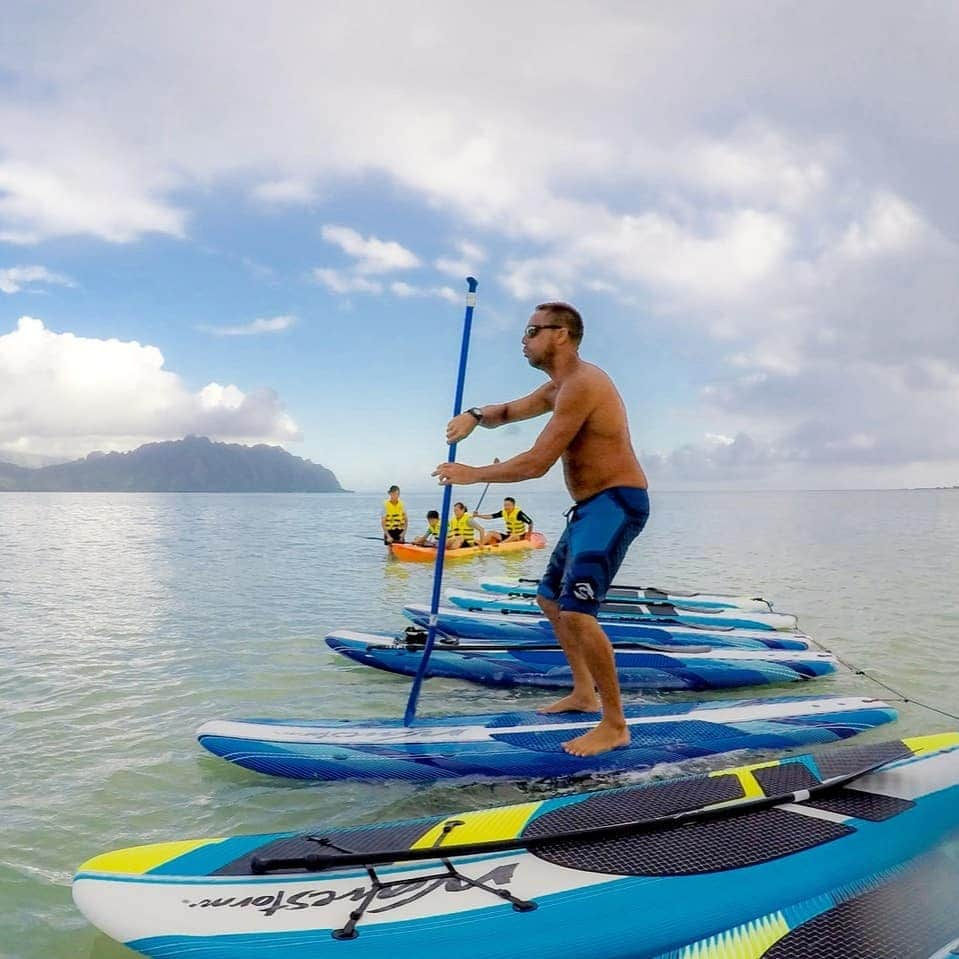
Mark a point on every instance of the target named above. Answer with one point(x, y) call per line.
point(519, 525)
point(432, 535)
point(463, 530)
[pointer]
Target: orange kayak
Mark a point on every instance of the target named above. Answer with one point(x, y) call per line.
point(427, 554)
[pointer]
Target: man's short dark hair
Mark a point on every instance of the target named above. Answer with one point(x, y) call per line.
point(432, 514)
point(393, 489)
point(567, 315)
point(509, 499)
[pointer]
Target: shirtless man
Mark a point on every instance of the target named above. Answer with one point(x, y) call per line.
point(589, 430)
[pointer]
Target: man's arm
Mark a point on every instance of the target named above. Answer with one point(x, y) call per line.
point(573, 404)
point(537, 403)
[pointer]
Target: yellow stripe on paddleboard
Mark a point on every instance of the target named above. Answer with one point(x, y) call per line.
point(749, 941)
point(483, 826)
point(751, 787)
point(137, 860)
point(932, 742)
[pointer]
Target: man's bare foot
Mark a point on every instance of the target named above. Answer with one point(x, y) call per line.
point(573, 703)
point(599, 740)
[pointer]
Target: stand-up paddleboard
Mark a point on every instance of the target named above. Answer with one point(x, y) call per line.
point(508, 627)
point(524, 745)
point(788, 858)
point(738, 619)
point(427, 554)
point(546, 667)
point(616, 593)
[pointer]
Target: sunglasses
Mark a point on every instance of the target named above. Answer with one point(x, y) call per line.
point(532, 331)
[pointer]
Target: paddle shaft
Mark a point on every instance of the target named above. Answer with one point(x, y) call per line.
point(410, 713)
point(479, 502)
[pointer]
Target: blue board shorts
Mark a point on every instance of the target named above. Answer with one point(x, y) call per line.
point(599, 531)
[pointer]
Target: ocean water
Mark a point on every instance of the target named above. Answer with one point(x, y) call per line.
point(126, 620)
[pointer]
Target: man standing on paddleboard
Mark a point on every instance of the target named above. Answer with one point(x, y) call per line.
point(589, 429)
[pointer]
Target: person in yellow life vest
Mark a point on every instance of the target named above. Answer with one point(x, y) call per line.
point(519, 525)
point(432, 535)
point(394, 519)
point(462, 530)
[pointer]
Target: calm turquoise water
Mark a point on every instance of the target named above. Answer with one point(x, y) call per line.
point(127, 620)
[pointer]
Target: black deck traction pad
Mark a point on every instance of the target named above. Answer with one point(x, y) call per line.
point(863, 805)
point(911, 916)
point(640, 802)
point(697, 847)
point(648, 801)
point(400, 835)
point(785, 778)
point(651, 735)
point(849, 759)
point(653, 609)
point(649, 592)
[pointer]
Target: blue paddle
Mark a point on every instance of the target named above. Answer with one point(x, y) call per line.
point(410, 713)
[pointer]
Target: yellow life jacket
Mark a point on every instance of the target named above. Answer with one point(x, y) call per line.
point(433, 528)
point(395, 514)
point(461, 527)
point(513, 523)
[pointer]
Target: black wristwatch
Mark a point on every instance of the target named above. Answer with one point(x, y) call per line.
point(477, 412)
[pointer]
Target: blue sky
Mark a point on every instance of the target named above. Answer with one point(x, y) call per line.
point(255, 224)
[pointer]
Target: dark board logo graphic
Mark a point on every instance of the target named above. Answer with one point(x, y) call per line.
point(388, 897)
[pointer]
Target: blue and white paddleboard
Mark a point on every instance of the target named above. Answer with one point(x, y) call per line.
point(640, 594)
point(502, 664)
point(832, 855)
point(530, 627)
point(524, 745)
point(659, 612)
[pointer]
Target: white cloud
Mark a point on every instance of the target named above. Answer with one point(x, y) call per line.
point(39, 203)
point(338, 282)
point(67, 395)
point(888, 227)
point(372, 255)
point(16, 278)
point(469, 258)
point(754, 163)
point(540, 278)
point(741, 458)
point(406, 290)
point(725, 261)
point(272, 324)
point(290, 191)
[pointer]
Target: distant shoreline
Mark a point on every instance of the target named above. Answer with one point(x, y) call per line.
point(194, 464)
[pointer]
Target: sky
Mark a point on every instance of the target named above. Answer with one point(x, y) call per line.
point(254, 222)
